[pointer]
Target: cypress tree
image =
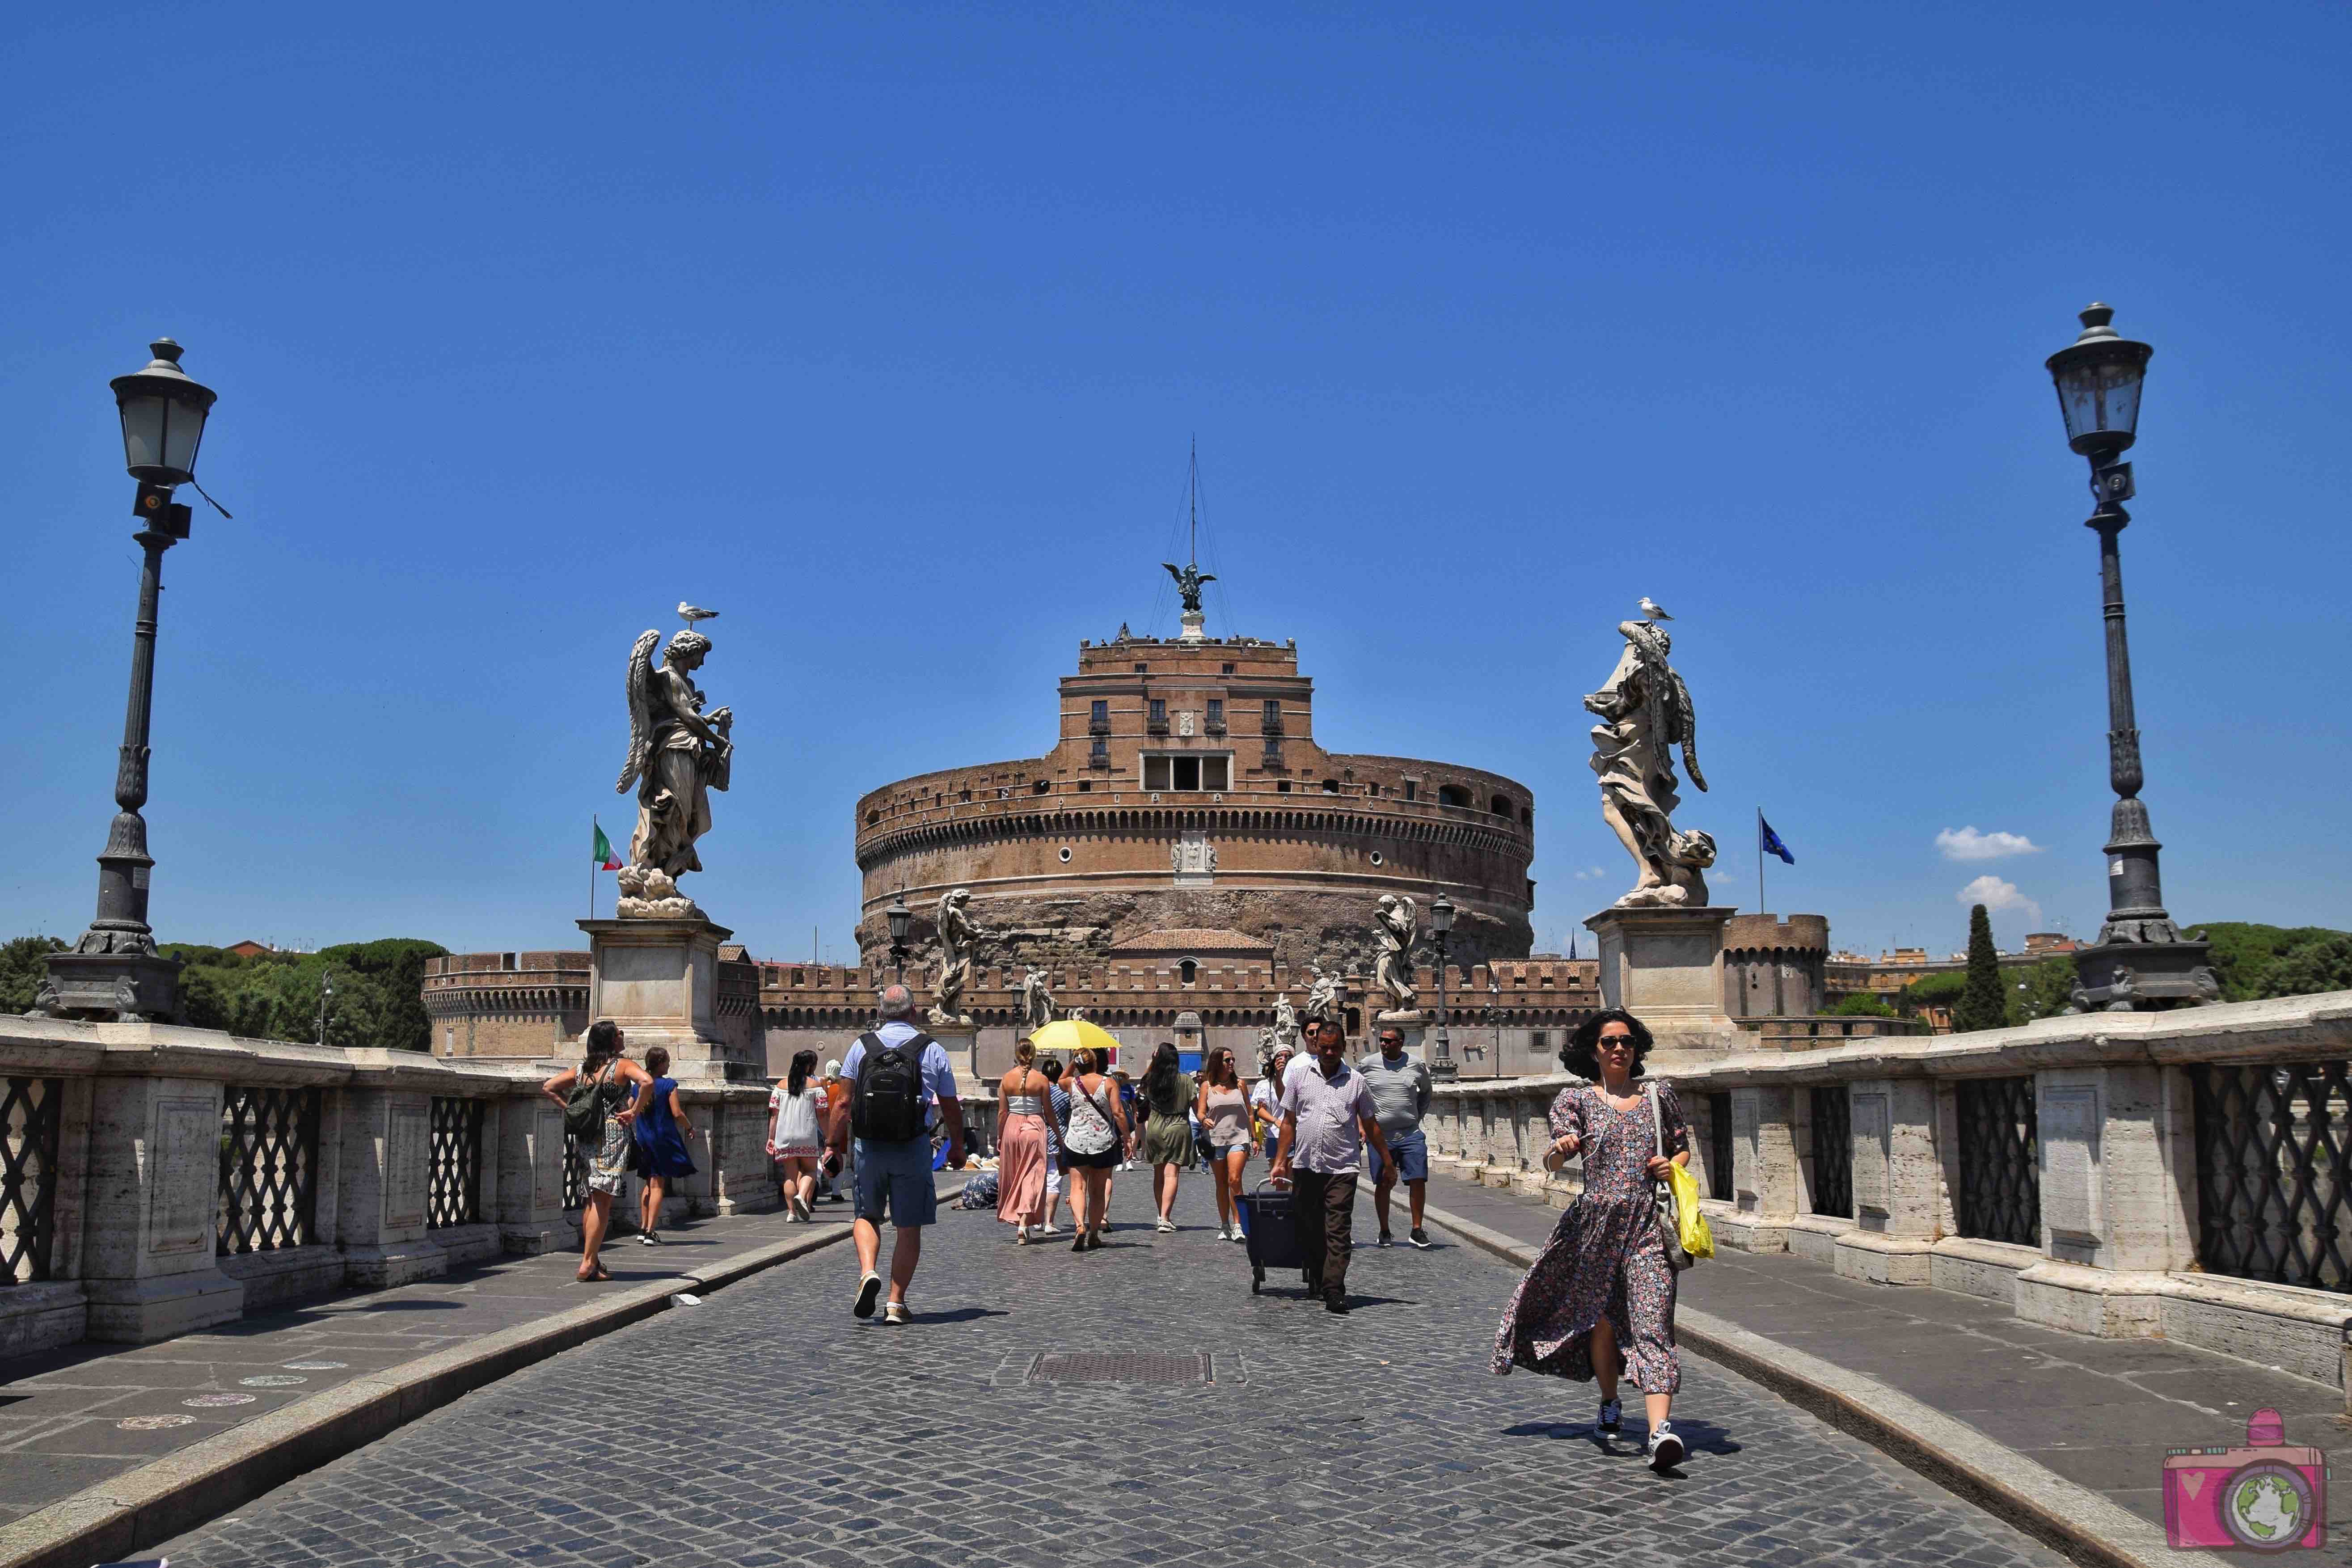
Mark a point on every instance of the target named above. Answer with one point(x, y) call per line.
point(1982, 1005)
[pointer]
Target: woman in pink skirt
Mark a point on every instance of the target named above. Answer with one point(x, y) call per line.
point(1600, 1300)
point(1021, 1111)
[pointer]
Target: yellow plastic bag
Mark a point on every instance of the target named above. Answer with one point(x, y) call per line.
point(1689, 1224)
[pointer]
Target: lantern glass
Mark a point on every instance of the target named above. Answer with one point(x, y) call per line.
point(900, 917)
point(162, 418)
point(2100, 398)
point(1441, 915)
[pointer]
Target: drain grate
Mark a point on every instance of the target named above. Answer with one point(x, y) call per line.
point(1090, 1366)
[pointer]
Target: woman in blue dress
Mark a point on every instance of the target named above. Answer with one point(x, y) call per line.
point(662, 1132)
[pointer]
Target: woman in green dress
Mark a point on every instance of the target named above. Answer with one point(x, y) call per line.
point(1168, 1095)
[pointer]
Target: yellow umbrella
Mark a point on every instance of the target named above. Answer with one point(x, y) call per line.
point(1066, 1034)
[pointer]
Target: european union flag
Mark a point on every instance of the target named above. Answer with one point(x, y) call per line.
point(1770, 842)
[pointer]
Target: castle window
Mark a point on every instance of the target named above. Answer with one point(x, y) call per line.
point(1098, 717)
point(1158, 722)
point(1216, 715)
point(1500, 805)
point(1527, 816)
point(1042, 786)
point(873, 816)
point(1452, 795)
point(1085, 786)
point(1273, 716)
point(1412, 789)
point(1229, 669)
point(1065, 854)
point(1142, 668)
point(1282, 786)
point(1186, 773)
point(1376, 858)
point(1187, 971)
point(1330, 786)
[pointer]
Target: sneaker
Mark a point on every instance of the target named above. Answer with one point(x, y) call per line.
point(1665, 1449)
point(1335, 1303)
point(1385, 1240)
point(869, 1290)
point(897, 1313)
point(1419, 1238)
point(1166, 1226)
point(1050, 1230)
point(1238, 1234)
point(801, 1211)
point(651, 1239)
point(1613, 1418)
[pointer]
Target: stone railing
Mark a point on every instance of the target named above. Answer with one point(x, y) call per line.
point(2147, 1174)
point(155, 1179)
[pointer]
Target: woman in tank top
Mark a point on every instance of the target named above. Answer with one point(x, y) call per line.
point(1021, 1108)
point(1225, 1116)
point(1090, 1147)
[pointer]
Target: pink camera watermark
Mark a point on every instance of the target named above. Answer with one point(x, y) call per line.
point(2267, 1496)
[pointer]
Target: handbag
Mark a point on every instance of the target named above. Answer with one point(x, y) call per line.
point(1681, 1225)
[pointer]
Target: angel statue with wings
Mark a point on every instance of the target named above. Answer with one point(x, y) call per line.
point(1644, 712)
point(678, 755)
point(1189, 578)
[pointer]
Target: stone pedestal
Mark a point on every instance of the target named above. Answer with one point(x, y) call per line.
point(659, 980)
point(1665, 967)
point(148, 1267)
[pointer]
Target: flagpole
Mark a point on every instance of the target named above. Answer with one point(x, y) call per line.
point(1760, 861)
point(593, 862)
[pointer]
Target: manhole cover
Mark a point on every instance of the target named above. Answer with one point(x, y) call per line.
point(272, 1380)
point(153, 1422)
point(1088, 1366)
point(219, 1401)
point(316, 1365)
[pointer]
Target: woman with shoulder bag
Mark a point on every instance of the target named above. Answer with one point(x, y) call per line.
point(1600, 1300)
point(1021, 1105)
point(611, 1080)
point(1090, 1147)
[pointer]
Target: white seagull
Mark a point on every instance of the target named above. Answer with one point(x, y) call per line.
point(1649, 610)
point(693, 613)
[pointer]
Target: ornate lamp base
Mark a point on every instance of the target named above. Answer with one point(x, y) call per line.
point(111, 987)
point(2143, 964)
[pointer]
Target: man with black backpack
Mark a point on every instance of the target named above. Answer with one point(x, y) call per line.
point(901, 1082)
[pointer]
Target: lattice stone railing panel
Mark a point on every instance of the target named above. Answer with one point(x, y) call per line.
point(269, 1169)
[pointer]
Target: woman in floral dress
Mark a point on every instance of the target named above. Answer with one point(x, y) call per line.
point(1600, 1300)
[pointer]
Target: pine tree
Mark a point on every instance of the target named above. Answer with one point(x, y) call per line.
point(1983, 1004)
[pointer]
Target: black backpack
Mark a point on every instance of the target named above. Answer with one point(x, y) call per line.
point(887, 1106)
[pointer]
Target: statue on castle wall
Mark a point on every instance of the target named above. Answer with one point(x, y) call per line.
point(1189, 579)
point(1396, 926)
point(678, 755)
point(1324, 999)
point(958, 942)
point(1644, 712)
point(1285, 1023)
point(1036, 1000)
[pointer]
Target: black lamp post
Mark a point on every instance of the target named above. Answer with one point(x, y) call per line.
point(114, 971)
point(1494, 1018)
point(900, 917)
point(2140, 960)
point(1441, 921)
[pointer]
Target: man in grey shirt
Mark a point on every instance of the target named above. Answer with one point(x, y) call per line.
point(1326, 1118)
point(1400, 1089)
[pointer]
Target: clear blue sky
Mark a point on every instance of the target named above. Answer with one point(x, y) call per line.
point(883, 331)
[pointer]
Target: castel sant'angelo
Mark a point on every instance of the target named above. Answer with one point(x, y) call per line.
point(1185, 797)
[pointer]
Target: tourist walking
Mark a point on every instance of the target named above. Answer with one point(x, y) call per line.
point(1090, 1147)
point(797, 1119)
point(1265, 1102)
point(1057, 1117)
point(1168, 1095)
point(1401, 1089)
point(662, 1131)
point(603, 1082)
point(900, 1085)
point(1021, 1106)
point(832, 1179)
point(1327, 1120)
point(1600, 1298)
point(1226, 1114)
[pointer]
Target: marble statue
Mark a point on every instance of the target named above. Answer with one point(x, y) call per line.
point(959, 941)
point(1644, 712)
point(1396, 925)
point(678, 755)
point(1267, 1047)
point(1036, 1001)
point(1286, 1023)
point(1323, 997)
point(1188, 584)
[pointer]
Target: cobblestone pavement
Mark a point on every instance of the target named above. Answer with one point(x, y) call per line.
point(767, 1427)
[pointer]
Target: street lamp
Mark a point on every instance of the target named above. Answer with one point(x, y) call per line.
point(1441, 921)
point(326, 999)
point(114, 971)
point(2139, 960)
point(1495, 1018)
point(900, 917)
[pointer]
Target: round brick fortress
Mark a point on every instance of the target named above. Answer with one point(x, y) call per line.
point(1187, 792)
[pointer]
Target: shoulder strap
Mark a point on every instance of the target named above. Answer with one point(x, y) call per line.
point(872, 1043)
point(921, 1043)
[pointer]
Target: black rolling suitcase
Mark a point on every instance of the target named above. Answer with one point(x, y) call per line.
point(1269, 1226)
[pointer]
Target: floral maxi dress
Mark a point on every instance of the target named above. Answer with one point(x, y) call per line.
point(1605, 1256)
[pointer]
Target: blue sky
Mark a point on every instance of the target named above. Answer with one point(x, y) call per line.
point(883, 331)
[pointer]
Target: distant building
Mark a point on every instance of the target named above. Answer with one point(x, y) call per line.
point(249, 948)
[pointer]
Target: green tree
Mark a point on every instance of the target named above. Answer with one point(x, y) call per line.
point(1928, 990)
point(1984, 1001)
point(21, 970)
point(2243, 951)
point(2044, 991)
point(1861, 1005)
point(2322, 963)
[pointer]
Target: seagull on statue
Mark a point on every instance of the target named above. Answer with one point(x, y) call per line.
point(690, 614)
point(1650, 612)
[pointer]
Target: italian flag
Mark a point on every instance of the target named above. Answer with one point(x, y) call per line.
point(602, 852)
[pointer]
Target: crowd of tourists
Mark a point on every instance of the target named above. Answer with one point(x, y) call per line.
point(1597, 1305)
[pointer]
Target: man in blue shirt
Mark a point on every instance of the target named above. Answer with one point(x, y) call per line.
point(895, 1179)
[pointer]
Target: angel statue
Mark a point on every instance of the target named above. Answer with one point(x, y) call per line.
point(678, 755)
point(1323, 998)
point(959, 939)
point(1644, 712)
point(1189, 579)
point(1286, 1023)
point(1396, 925)
point(1036, 1001)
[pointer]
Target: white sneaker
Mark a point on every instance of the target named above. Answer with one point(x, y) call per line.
point(1665, 1449)
point(1050, 1230)
point(1166, 1227)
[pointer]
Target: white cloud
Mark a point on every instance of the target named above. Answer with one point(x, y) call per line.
point(1967, 844)
point(1589, 873)
point(2000, 898)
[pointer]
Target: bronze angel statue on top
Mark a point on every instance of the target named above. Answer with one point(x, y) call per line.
point(1189, 579)
point(678, 755)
